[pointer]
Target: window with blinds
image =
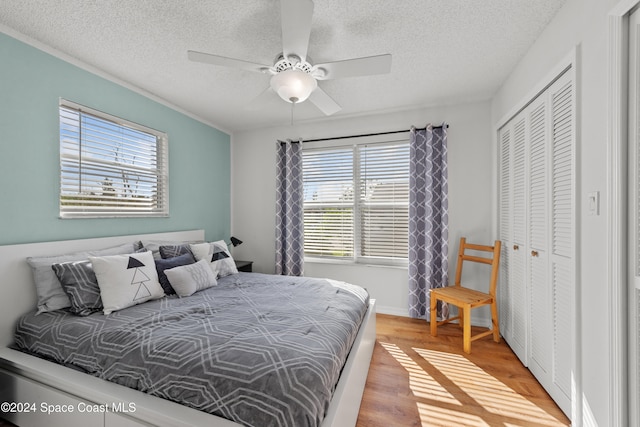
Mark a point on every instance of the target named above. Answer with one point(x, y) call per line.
point(384, 200)
point(356, 202)
point(328, 202)
point(110, 167)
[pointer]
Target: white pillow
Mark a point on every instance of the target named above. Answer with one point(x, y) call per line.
point(126, 280)
point(218, 256)
point(189, 279)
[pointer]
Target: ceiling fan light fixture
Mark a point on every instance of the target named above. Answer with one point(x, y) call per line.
point(293, 85)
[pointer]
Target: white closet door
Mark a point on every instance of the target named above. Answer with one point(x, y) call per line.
point(540, 302)
point(512, 292)
point(517, 258)
point(505, 219)
point(562, 95)
point(537, 193)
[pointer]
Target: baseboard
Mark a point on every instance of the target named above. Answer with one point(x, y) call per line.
point(482, 322)
point(393, 311)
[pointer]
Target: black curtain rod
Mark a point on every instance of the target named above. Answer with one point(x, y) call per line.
point(368, 134)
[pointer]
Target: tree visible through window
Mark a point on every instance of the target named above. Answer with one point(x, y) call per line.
point(110, 167)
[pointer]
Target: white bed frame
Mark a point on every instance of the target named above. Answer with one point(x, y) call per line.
point(37, 386)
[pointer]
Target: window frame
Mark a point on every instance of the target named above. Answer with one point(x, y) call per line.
point(357, 258)
point(160, 207)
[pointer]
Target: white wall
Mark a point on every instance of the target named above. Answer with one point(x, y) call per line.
point(581, 23)
point(470, 190)
point(471, 165)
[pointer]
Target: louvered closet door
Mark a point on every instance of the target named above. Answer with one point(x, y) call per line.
point(562, 98)
point(513, 313)
point(505, 219)
point(540, 303)
point(517, 259)
point(537, 226)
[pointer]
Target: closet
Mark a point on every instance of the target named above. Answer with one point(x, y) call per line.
point(536, 155)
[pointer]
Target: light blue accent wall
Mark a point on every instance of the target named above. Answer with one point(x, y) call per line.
point(31, 84)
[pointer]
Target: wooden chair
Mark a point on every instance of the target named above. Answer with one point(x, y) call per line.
point(466, 299)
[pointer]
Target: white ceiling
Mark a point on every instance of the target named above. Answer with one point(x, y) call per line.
point(444, 51)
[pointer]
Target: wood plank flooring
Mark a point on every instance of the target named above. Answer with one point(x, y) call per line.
point(418, 380)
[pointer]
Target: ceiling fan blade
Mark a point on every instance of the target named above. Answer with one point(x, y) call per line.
point(208, 58)
point(267, 99)
point(296, 27)
point(324, 102)
point(379, 64)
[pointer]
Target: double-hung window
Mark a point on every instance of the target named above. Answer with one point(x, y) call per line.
point(356, 200)
point(110, 167)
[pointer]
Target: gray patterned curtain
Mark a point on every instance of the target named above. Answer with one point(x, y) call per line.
point(428, 218)
point(289, 213)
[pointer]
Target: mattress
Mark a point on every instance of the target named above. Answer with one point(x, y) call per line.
point(260, 350)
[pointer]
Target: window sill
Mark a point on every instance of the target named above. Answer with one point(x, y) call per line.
point(72, 215)
point(396, 265)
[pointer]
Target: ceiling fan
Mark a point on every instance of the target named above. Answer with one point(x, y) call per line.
point(294, 76)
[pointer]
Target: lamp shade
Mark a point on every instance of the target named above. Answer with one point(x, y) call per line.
point(235, 241)
point(293, 85)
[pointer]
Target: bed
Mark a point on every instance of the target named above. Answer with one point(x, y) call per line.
point(46, 393)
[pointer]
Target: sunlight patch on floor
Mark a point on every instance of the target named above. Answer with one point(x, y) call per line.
point(490, 393)
point(421, 383)
point(453, 391)
point(434, 415)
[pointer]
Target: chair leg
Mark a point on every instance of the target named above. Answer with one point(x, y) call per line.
point(434, 316)
point(461, 320)
point(466, 329)
point(494, 320)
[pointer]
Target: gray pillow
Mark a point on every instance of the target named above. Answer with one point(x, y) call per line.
point(154, 245)
point(50, 294)
point(172, 251)
point(81, 286)
point(165, 264)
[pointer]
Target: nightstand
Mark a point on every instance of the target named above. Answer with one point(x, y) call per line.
point(245, 266)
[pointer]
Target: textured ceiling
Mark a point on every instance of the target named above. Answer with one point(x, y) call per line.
point(444, 51)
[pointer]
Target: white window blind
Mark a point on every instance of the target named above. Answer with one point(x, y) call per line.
point(328, 202)
point(384, 200)
point(110, 167)
point(356, 202)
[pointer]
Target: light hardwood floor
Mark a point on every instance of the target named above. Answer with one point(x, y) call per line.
point(418, 380)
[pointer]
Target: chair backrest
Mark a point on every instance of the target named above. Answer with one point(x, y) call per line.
point(493, 260)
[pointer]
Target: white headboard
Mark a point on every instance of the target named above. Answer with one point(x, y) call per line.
point(17, 290)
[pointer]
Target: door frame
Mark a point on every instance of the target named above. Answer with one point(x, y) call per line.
point(617, 187)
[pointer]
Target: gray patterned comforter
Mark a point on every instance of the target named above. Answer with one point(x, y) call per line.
point(257, 349)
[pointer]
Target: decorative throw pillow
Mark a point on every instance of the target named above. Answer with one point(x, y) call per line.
point(154, 245)
point(50, 294)
point(218, 256)
point(189, 279)
point(172, 251)
point(165, 264)
point(126, 280)
point(81, 286)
